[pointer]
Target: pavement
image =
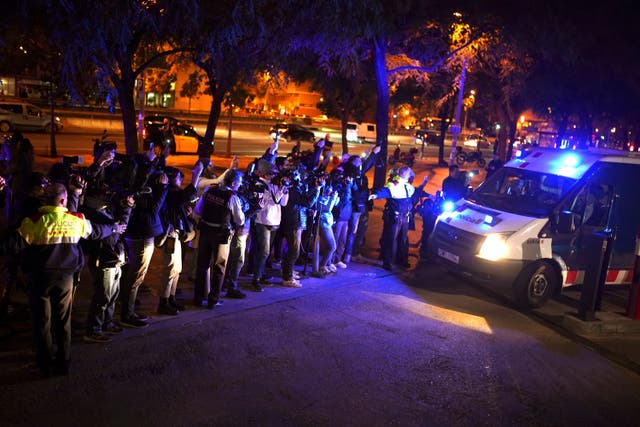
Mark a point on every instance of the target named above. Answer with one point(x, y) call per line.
point(612, 334)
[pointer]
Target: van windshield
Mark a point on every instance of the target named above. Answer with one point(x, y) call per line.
point(522, 192)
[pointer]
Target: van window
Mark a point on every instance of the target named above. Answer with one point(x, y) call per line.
point(371, 128)
point(591, 204)
point(14, 108)
point(352, 126)
point(523, 192)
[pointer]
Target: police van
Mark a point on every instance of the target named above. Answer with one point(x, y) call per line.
point(527, 224)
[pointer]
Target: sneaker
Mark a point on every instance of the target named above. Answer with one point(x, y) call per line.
point(296, 275)
point(256, 286)
point(332, 268)
point(235, 293)
point(134, 322)
point(213, 303)
point(292, 283)
point(325, 271)
point(341, 264)
point(318, 274)
point(113, 329)
point(96, 337)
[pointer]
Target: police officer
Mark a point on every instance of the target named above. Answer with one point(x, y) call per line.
point(399, 194)
point(51, 255)
point(220, 211)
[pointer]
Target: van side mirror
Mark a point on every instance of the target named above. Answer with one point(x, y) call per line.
point(566, 222)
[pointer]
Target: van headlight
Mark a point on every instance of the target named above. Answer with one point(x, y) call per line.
point(494, 247)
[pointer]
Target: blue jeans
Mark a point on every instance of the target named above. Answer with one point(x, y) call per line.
point(140, 253)
point(327, 243)
point(340, 232)
point(262, 239)
point(106, 284)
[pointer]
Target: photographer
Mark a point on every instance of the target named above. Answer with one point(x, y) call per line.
point(179, 229)
point(302, 197)
point(344, 185)
point(251, 194)
point(267, 221)
point(359, 220)
point(144, 226)
point(106, 259)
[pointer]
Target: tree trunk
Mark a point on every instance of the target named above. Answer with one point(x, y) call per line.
point(382, 110)
point(344, 119)
point(128, 109)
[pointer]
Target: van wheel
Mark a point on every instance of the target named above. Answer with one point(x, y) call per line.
point(535, 285)
point(481, 163)
point(5, 126)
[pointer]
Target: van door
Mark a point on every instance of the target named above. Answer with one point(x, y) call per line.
point(587, 210)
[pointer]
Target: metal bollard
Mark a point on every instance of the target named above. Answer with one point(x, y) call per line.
point(598, 247)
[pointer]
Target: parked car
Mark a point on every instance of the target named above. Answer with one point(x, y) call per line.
point(186, 139)
point(292, 132)
point(475, 140)
point(22, 116)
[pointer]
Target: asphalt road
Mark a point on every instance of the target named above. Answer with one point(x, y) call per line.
point(366, 348)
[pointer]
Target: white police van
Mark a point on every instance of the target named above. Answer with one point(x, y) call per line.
point(526, 225)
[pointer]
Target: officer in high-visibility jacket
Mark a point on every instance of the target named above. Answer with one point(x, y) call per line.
point(397, 213)
point(49, 242)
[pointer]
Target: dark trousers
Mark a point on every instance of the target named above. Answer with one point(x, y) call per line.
point(293, 237)
point(213, 252)
point(51, 299)
point(394, 243)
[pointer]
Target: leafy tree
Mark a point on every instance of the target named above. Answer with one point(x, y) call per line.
point(118, 39)
point(191, 87)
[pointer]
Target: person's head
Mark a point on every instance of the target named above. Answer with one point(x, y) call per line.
point(56, 195)
point(265, 169)
point(454, 170)
point(175, 176)
point(327, 137)
point(345, 157)
point(356, 161)
point(405, 173)
point(233, 179)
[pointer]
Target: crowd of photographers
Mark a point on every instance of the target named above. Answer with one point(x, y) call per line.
point(305, 208)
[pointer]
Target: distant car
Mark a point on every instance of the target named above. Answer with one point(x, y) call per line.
point(22, 116)
point(475, 140)
point(186, 139)
point(427, 136)
point(277, 128)
point(293, 132)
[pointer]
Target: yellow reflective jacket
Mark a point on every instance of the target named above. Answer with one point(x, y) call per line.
point(52, 236)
